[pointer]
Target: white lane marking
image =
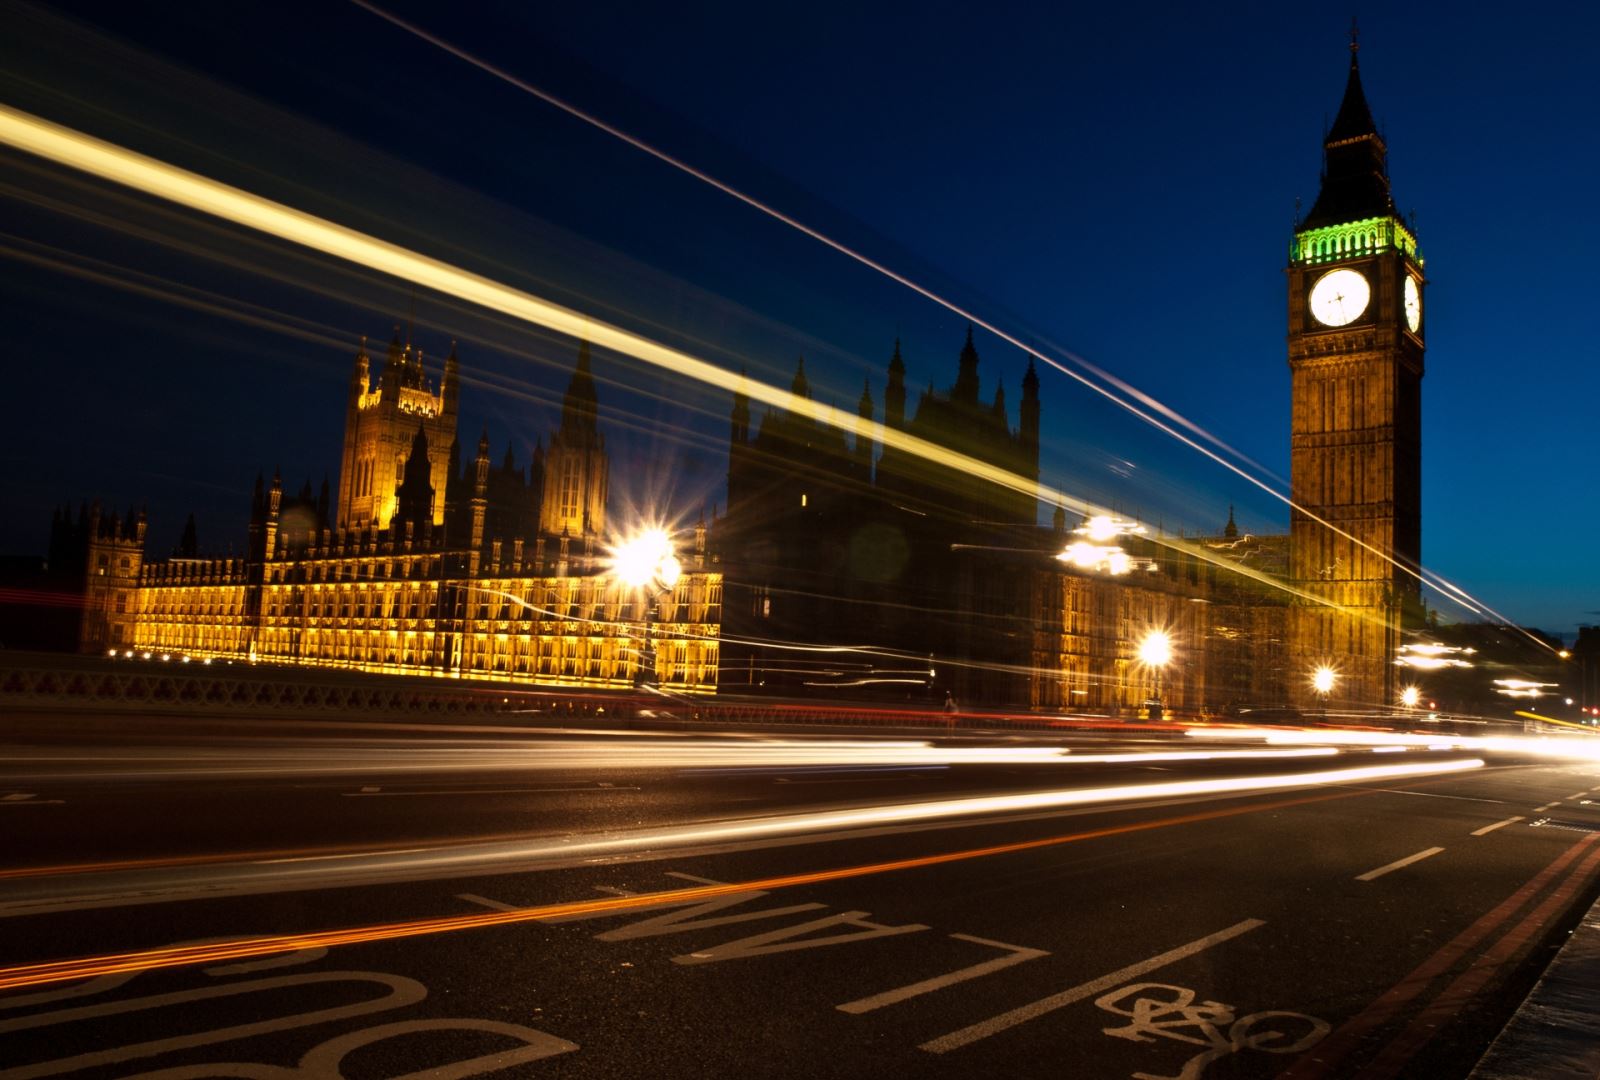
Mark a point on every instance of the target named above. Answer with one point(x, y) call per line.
point(691, 918)
point(1542, 809)
point(484, 901)
point(1497, 825)
point(1006, 1020)
point(364, 793)
point(1579, 795)
point(784, 939)
point(27, 798)
point(401, 992)
point(17, 796)
point(1434, 795)
point(1018, 955)
point(370, 790)
point(1373, 875)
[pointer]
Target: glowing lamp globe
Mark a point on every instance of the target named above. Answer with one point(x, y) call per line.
point(1156, 649)
point(1322, 680)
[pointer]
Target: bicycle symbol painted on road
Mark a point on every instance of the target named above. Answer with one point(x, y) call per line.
point(1161, 1011)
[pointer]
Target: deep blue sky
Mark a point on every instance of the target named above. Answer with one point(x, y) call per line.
point(1117, 182)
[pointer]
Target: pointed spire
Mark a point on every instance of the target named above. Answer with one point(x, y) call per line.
point(966, 387)
point(414, 495)
point(894, 392)
point(580, 409)
point(1000, 399)
point(864, 406)
point(188, 542)
point(1030, 380)
point(1230, 530)
point(1354, 118)
point(1355, 177)
point(800, 387)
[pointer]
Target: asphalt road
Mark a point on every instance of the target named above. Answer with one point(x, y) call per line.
point(981, 906)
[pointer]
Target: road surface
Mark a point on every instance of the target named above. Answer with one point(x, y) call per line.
point(383, 899)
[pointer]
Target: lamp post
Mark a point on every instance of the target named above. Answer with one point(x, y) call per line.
point(1323, 681)
point(646, 561)
point(1155, 651)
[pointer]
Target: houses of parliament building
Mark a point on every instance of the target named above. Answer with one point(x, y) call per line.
point(425, 564)
point(849, 567)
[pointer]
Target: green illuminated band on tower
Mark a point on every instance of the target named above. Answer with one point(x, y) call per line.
point(1354, 238)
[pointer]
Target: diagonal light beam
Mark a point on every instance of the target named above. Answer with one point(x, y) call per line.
point(108, 161)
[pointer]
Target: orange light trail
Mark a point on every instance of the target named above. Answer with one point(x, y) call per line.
point(56, 971)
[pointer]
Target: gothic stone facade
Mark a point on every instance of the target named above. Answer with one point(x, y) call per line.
point(1356, 361)
point(473, 572)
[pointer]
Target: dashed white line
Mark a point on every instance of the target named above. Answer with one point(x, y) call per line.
point(1542, 809)
point(1372, 875)
point(996, 1024)
point(1497, 825)
point(1579, 795)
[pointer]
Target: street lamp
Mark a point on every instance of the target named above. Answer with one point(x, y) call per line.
point(1322, 681)
point(1155, 651)
point(646, 561)
point(1410, 697)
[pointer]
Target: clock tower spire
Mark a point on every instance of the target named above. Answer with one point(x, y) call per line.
point(1356, 362)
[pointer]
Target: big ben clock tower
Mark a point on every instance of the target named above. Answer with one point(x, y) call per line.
point(1356, 329)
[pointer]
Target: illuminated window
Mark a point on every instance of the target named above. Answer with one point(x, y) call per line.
point(569, 488)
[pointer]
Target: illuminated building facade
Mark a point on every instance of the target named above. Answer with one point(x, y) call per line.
point(380, 422)
point(1356, 360)
point(466, 576)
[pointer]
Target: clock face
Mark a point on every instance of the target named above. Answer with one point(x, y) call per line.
point(1413, 299)
point(1339, 297)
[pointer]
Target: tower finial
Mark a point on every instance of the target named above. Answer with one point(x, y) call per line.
point(1355, 39)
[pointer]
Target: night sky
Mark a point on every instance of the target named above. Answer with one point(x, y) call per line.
point(1117, 184)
